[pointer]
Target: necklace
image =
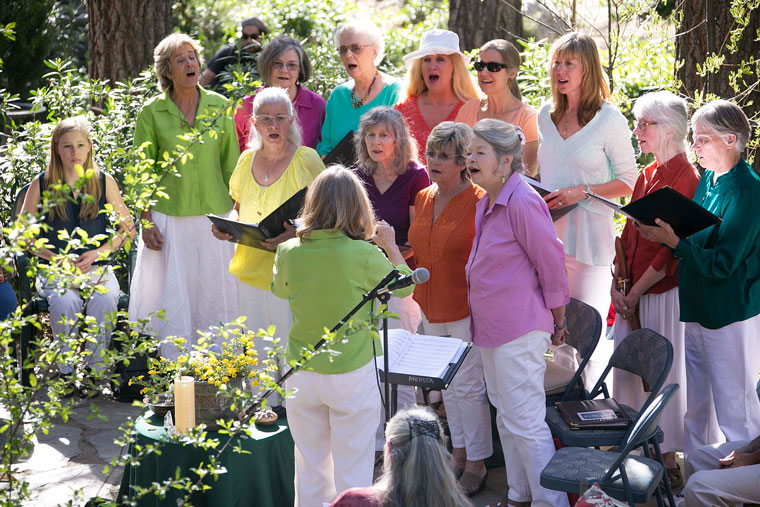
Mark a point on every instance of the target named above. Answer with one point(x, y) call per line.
point(355, 100)
point(453, 192)
point(565, 124)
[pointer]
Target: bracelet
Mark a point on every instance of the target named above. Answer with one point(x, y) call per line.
point(563, 326)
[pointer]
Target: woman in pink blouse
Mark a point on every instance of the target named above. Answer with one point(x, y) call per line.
point(518, 291)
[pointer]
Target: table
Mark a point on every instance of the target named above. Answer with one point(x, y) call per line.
point(263, 478)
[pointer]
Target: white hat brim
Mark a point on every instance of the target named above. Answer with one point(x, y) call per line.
point(420, 53)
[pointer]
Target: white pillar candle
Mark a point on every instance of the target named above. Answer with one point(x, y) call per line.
point(184, 403)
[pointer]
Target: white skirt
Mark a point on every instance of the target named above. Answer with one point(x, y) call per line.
point(188, 278)
point(660, 313)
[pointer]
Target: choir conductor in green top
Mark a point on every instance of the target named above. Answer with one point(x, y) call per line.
point(180, 267)
point(323, 273)
point(719, 276)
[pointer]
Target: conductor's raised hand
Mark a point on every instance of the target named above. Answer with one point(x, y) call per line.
point(219, 234)
point(271, 243)
point(385, 235)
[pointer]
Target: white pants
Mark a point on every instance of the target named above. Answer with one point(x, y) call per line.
point(409, 319)
point(590, 284)
point(68, 304)
point(467, 410)
point(333, 419)
point(721, 372)
point(707, 485)
point(188, 278)
point(660, 313)
point(263, 309)
point(515, 381)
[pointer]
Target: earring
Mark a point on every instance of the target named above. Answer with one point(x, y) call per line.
point(503, 179)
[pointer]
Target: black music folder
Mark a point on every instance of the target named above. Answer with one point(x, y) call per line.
point(543, 191)
point(684, 215)
point(593, 414)
point(343, 153)
point(422, 360)
point(253, 234)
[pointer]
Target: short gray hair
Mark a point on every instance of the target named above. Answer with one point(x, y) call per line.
point(503, 138)
point(163, 53)
point(404, 146)
point(456, 135)
point(367, 29)
point(274, 95)
point(669, 111)
point(724, 118)
point(275, 49)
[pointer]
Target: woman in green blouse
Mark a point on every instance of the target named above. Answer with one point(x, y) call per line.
point(323, 273)
point(180, 267)
point(719, 276)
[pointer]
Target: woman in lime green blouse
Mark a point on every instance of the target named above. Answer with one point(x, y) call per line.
point(180, 267)
point(323, 273)
point(719, 277)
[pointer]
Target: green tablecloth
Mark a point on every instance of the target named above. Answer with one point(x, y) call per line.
point(263, 477)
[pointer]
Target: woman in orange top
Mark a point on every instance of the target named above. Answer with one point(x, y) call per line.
point(441, 236)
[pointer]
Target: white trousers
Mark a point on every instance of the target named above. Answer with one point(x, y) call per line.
point(69, 303)
point(515, 380)
point(590, 284)
point(707, 485)
point(721, 372)
point(333, 419)
point(660, 313)
point(263, 309)
point(467, 410)
point(188, 278)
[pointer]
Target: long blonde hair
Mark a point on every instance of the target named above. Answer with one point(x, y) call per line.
point(594, 88)
point(463, 83)
point(90, 207)
point(336, 200)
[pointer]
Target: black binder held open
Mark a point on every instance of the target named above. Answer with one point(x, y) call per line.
point(344, 152)
point(685, 216)
point(252, 235)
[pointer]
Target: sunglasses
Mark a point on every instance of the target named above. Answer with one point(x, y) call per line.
point(355, 48)
point(491, 66)
point(247, 36)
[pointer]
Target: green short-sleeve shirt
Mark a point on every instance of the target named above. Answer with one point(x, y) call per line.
point(323, 277)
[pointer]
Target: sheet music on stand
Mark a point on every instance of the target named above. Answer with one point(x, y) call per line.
point(422, 360)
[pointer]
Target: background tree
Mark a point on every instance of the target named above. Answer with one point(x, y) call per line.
point(716, 47)
point(478, 21)
point(23, 56)
point(123, 35)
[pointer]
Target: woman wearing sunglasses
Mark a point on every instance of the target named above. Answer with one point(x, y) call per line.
point(437, 84)
point(361, 48)
point(497, 78)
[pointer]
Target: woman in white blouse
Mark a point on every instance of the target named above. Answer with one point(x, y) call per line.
point(584, 145)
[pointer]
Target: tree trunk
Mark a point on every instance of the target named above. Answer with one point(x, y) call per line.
point(123, 35)
point(478, 21)
point(705, 30)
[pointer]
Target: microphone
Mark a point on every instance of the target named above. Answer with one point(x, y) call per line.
point(419, 275)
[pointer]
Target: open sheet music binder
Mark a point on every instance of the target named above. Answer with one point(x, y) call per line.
point(543, 191)
point(422, 360)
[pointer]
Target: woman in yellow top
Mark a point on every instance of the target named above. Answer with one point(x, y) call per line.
point(269, 173)
point(497, 77)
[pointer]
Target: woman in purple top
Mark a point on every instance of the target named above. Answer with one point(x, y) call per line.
point(284, 63)
point(517, 290)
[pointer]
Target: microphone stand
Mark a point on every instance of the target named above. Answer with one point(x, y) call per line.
point(384, 297)
point(372, 294)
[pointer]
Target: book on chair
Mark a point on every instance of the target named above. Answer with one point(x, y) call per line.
point(593, 414)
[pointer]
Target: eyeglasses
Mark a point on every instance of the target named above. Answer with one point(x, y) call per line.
point(491, 66)
point(247, 36)
point(355, 48)
point(443, 157)
point(268, 119)
point(643, 125)
point(291, 66)
point(700, 140)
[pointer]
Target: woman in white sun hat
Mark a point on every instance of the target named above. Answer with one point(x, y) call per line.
point(437, 84)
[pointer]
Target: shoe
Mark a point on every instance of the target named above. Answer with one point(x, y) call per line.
point(517, 504)
point(675, 477)
point(472, 484)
